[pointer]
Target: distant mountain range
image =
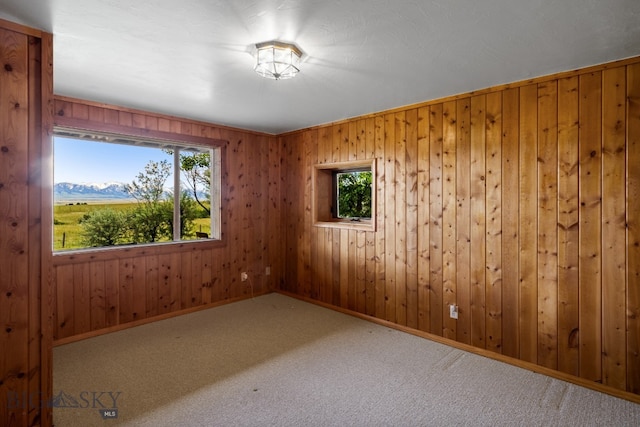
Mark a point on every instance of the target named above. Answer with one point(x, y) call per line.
point(67, 192)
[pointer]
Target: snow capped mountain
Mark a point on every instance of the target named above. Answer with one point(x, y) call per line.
point(70, 192)
point(88, 192)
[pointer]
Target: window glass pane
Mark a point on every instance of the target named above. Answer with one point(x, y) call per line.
point(354, 194)
point(108, 194)
point(195, 201)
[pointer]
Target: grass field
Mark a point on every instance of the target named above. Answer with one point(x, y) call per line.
point(67, 231)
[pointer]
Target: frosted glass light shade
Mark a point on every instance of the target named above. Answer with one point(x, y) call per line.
point(277, 60)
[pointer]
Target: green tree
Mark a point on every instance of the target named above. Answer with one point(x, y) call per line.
point(189, 211)
point(148, 187)
point(196, 169)
point(104, 227)
point(148, 222)
point(354, 194)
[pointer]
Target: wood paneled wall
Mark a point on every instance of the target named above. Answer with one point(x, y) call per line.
point(518, 204)
point(26, 93)
point(95, 291)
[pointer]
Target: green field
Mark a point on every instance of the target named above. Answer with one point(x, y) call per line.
point(67, 230)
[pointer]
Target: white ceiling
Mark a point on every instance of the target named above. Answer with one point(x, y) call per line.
point(191, 58)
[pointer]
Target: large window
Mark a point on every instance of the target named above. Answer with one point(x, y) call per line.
point(114, 190)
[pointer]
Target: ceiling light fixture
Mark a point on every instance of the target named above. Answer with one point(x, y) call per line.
point(277, 60)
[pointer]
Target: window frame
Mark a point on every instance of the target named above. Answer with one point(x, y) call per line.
point(156, 139)
point(324, 195)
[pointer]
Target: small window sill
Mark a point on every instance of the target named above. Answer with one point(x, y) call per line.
point(362, 225)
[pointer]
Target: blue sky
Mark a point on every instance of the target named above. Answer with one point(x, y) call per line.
point(96, 162)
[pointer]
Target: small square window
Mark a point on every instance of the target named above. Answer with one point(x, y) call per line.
point(344, 195)
point(352, 196)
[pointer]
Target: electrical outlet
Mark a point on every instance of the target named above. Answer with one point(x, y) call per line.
point(453, 311)
point(267, 271)
point(244, 276)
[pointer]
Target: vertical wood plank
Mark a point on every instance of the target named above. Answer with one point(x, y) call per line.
point(510, 231)
point(139, 278)
point(436, 286)
point(96, 114)
point(547, 224)
point(207, 275)
point(186, 266)
point(14, 224)
point(590, 292)
point(151, 286)
point(568, 237)
point(125, 292)
point(112, 299)
point(411, 212)
point(370, 273)
point(614, 355)
point(463, 220)
point(348, 258)
point(380, 235)
point(528, 321)
point(449, 250)
point(493, 287)
point(98, 301)
point(400, 188)
point(390, 217)
point(478, 219)
point(423, 224)
point(633, 230)
point(164, 284)
point(333, 276)
point(370, 252)
point(341, 244)
point(361, 271)
point(81, 299)
point(42, 138)
point(196, 278)
point(310, 142)
point(64, 301)
point(175, 282)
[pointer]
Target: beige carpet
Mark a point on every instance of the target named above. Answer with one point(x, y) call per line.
point(277, 361)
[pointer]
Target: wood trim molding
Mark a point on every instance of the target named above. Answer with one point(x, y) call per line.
point(12, 26)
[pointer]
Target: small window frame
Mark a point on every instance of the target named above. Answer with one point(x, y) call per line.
point(324, 195)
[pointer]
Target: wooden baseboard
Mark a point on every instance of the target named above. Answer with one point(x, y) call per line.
point(479, 351)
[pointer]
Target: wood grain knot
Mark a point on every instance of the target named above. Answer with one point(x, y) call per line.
point(16, 105)
point(8, 67)
point(9, 294)
point(8, 330)
point(4, 149)
point(61, 112)
point(593, 153)
point(20, 375)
